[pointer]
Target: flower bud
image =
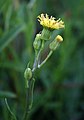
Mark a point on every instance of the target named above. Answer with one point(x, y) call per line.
point(28, 74)
point(37, 42)
point(53, 45)
point(59, 38)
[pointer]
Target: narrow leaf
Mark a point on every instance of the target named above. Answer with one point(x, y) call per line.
point(9, 36)
point(5, 94)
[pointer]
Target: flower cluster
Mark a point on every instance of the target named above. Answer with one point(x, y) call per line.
point(49, 25)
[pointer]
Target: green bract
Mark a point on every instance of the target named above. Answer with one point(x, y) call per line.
point(46, 33)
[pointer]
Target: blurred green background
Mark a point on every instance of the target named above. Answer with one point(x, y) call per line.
point(59, 87)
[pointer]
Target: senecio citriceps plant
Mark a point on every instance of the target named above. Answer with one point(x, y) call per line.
point(49, 26)
point(49, 33)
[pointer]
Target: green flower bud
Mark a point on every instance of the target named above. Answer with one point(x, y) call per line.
point(59, 38)
point(46, 33)
point(37, 42)
point(54, 44)
point(28, 74)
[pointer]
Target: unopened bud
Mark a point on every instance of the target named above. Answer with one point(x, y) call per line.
point(53, 45)
point(37, 42)
point(59, 38)
point(28, 74)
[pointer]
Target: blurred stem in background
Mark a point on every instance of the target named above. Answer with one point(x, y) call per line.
point(12, 114)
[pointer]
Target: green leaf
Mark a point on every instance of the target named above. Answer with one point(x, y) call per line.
point(4, 94)
point(9, 36)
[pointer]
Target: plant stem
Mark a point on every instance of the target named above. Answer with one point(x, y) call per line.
point(9, 109)
point(48, 56)
point(29, 98)
point(50, 53)
point(29, 94)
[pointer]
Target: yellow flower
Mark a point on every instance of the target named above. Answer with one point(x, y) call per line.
point(50, 23)
point(59, 38)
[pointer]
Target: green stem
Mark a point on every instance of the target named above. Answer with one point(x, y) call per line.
point(42, 46)
point(50, 53)
point(29, 94)
point(13, 115)
point(29, 98)
point(37, 57)
point(48, 56)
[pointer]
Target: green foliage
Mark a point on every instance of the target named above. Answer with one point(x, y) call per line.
point(59, 86)
point(7, 94)
point(8, 37)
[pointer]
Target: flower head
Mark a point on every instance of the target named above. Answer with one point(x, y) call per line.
point(50, 23)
